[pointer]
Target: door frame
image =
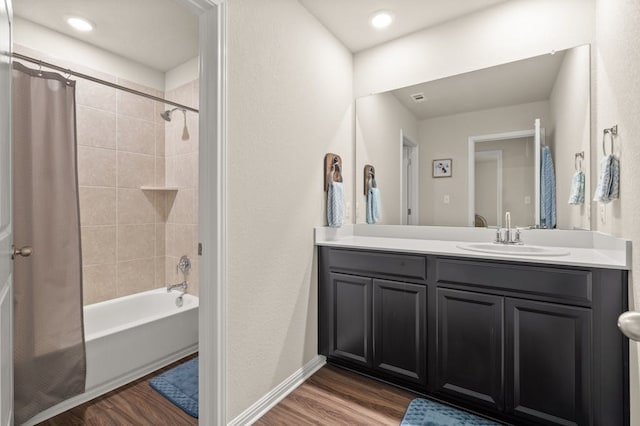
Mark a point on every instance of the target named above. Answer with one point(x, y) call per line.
point(212, 237)
point(413, 201)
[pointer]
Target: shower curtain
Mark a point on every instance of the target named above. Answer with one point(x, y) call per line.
point(48, 338)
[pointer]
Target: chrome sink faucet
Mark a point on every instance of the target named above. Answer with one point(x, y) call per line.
point(511, 235)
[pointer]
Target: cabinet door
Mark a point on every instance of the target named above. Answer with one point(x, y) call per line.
point(350, 317)
point(470, 347)
point(399, 329)
point(548, 362)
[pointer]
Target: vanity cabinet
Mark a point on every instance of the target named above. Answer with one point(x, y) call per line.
point(524, 343)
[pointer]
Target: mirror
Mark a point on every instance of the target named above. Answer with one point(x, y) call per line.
point(463, 150)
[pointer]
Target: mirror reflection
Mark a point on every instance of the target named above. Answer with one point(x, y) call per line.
point(488, 129)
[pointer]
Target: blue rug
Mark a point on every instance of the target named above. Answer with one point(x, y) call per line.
point(422, 412)
point(180, 386)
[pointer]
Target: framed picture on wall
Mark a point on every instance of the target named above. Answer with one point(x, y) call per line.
point(442, 168)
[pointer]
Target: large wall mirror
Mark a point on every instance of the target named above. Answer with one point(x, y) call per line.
point(463, 150)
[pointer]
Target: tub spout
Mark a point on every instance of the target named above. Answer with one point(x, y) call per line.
point(182, 285)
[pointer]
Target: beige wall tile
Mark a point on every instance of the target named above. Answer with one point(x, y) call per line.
point(136, 276)
point(182, 211)
point(96, 166)
point(161, 236)
point(160, 139)
point(160, 173)
point(181, 240)
point(135, 106)
point(172, 274)
point(135, 170)
point(98, 283)
point(182, 170)
point(160, 205)
point(160, 272)
point(96, 127)
point(97, 206)
point(136, 242)
point(135, 135)
point(95, 95)
point(98, 245)
point(136, 207)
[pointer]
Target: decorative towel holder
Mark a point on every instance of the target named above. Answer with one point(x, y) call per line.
point(577, 155)
point(332, 164)
point(611, 131)
point(369, 178)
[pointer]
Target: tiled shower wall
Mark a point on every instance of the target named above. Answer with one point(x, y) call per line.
point(132, 238)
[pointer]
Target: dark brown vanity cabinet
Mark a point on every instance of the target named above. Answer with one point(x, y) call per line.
point(526, 344)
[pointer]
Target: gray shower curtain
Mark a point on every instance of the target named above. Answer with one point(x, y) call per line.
point(48, 339)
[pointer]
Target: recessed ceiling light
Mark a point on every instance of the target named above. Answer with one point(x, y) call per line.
point(79, 24)
point(381, 19)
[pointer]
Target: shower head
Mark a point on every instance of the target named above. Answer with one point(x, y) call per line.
point(166, 115)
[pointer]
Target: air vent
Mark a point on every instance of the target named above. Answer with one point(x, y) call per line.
point(418, 97)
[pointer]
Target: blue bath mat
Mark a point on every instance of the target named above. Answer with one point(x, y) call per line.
point(180, 386)
point(422, 412)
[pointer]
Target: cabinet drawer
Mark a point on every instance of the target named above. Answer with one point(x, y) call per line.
point(386, 264)
point(544, 283)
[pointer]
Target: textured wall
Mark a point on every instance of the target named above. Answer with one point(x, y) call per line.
point(290, 102)
point(617, 66)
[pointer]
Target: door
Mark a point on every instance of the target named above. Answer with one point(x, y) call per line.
point(548, 362)
point(350, 318)
point(399, 330)
point(6, 295)
point(409, 180)
point(470, 347)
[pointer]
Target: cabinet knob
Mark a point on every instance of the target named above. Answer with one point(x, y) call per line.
point(22, 251)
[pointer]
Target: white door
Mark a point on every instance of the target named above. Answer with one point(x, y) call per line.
point(538, 140)
point(6, 295)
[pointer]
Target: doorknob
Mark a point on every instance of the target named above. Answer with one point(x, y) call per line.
point(22, 251)
point(629, 324)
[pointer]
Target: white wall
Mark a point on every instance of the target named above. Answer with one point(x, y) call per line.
point(290, 102)
point(70, 50)
point(507, 32)
point(380, 119)
point(617, 97)
point(571, 133)
point(448, 137)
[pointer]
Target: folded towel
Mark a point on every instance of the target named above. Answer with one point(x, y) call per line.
point(608, 186)
point(547, 190)
point(335, 204)
point(373, 206)
point(576, 196)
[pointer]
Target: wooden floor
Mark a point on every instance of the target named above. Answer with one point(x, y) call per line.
point(334, 396)
point(134, 404)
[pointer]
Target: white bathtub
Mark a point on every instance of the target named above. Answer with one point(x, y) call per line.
point(129, 337)
point(130, 333)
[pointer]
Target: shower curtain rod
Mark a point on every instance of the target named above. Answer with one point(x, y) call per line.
point(100, 81)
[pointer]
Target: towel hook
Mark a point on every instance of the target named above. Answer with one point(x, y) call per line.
point(578, 155)
point(612, 131)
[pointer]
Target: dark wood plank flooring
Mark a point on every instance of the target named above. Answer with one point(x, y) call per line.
point(133, 404)
point(334, 396)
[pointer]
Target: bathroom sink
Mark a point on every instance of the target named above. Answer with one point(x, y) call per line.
point(520, 250)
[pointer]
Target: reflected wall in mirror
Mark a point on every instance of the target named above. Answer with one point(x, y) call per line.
point(401, 132)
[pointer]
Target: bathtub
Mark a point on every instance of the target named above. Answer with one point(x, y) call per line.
point(130, 337)
point(136, 332)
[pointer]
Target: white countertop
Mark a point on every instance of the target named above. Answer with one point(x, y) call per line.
point(586, 248)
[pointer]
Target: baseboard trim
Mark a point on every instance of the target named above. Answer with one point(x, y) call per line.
point(277, 394)
point(109, 386)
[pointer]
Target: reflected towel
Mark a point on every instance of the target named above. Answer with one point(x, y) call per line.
point(373, 206)
point(608, 186)
point(576, 196)
point(547, 190)
point(335, 204)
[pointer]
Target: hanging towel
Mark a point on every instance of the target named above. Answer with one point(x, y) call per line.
point(335, 204)
point(547, 190)
point(374, 214)
point(576, 196)
point(609, 181)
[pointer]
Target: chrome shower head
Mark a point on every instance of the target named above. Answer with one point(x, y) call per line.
point(166, 115)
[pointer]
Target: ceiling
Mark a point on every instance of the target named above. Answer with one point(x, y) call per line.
point(525, 81)
point(157, 33)
point(349, 20)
